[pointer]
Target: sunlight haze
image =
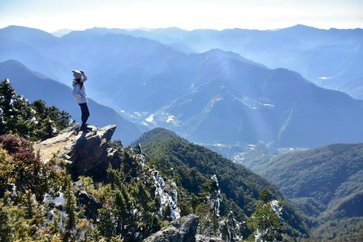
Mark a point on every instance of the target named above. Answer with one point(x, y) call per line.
point(264, 14)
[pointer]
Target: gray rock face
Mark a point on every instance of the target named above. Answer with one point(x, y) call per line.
point(83, 151)
point(182, 230)
point(204, 238)
point(90, 203)
point(90, 150)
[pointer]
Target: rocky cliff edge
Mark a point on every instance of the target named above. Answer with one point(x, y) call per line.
point(83, 151)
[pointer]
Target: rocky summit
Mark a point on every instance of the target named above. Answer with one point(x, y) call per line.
point(82, 151)
point(85, 153)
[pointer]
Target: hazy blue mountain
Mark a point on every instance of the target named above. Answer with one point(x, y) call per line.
point(211, 97)
point(37, 38)
point(326, 183)
point(105, 56)
point(331, 58)
point(355, 87)
point(37, 49)
point(235, 101)
point(36, 86)
point(121, 66)
point(329, 174)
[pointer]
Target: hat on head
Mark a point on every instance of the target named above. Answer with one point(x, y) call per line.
point(77, 74)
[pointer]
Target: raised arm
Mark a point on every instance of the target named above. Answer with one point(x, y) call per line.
point(84, 76)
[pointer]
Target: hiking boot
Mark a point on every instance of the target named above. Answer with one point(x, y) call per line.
point(84, 128)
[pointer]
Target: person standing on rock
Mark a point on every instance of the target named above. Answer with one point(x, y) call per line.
point(79, 92)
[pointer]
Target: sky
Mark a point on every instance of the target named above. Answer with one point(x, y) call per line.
point(52, 15)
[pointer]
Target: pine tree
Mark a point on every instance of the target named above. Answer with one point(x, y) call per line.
point(107, 224)
point(70, 208)
point(265, 223)
point(114, 176)
point(29, 205)
point(12, 109)
point(126, 195)
point(6, 171)
point(5, 229)
point(143, 196)
point(7, 94)
point(231, 229)
point(121, 208)
point(265, 195)
point(34, 121)
point(131, 167)
point(166, 212)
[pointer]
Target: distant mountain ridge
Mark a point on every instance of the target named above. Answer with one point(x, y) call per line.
point(340, 163)
point(337, 52)
point(156, 85)
point(326, 183)
point(248, 103)
point(330, 58)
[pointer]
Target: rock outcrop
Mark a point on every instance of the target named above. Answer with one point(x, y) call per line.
point(82, 151)
point(90, 203)
point(206, 238)
point(181, 230)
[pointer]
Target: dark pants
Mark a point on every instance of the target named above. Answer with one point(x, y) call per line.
point(85, 113)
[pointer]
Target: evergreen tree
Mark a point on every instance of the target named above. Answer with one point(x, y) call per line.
point(15, 115)
point(131, 167)
point(114, 176)
point(126, 195)
point(265, 195)
point(143, 196)
point(6, 172)
point(231, 229)
point(265, 223)
point(166, 212)
point(5, 229)
point(29, 205)
point(107, 222)
point(121, 211)
point(35, 121)
point(70, 208)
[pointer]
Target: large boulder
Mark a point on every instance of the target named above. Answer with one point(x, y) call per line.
point(181, 230)
point(90, 150)
point(83, 151)
point(91, 203)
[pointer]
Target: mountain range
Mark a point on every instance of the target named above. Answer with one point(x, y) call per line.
point(191, 83)
point(331, 58)
point(154, 84)
point(325, 183)
point(79, 186)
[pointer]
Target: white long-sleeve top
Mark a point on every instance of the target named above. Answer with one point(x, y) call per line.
point(79, 92)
